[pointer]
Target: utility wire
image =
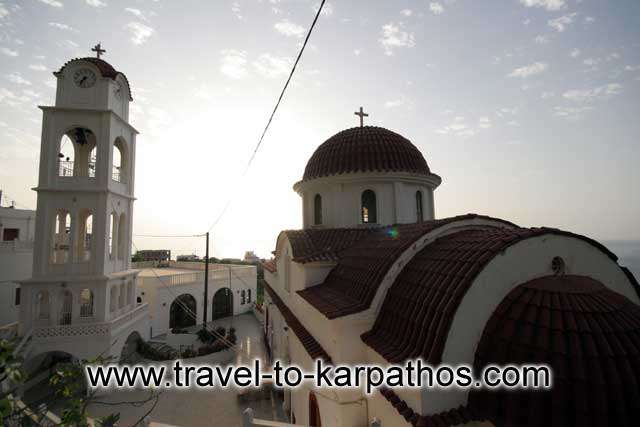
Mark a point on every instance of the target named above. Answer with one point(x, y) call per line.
point(273, 113)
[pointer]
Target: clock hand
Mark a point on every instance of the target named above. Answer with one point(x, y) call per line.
point(83, 79)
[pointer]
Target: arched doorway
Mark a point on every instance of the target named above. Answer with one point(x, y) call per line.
point(182, 312)
point(222, 304)
point(314, 411)
point(129, 350)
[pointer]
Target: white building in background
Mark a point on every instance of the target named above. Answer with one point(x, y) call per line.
point(17, 228)
point(176, 294)
point(374, 278)
point(80, 299)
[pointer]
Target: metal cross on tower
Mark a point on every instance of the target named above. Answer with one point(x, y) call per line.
point(362, 115)
point(98, 50)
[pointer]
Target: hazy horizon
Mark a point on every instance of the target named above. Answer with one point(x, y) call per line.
point(527, 108)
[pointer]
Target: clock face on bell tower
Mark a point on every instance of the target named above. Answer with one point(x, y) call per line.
point(84, 78)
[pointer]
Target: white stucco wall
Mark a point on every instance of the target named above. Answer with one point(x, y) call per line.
point(16, 259)
point(341, 198)
point(160, 290)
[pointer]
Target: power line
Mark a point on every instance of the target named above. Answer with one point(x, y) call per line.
point(168, 235)
point(273, 113)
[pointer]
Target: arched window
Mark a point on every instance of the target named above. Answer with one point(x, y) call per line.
point(112, 298)
point(85, 234)
point(243, 297)
point(77, 155)
point(121, 296)
point(317, 210)
point(119, 161)
point(66, 307)
point(369, 210)
point(86, 303)
point(419, 214)
point(42, 305)
point(121, 236)
point(249, 295)
point(112, 230)
point(61, 237)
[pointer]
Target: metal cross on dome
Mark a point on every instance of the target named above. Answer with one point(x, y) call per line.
point(98, 50)
point(362, 115)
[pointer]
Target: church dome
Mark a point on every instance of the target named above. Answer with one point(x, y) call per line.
point(365, 149)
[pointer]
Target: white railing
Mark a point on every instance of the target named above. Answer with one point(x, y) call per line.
point(16, 245)
point(249, 421)
point(198, 276)
point(88, 329)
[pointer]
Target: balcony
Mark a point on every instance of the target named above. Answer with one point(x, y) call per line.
point(90, 329)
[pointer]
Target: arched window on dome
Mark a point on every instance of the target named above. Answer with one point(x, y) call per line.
point(317, 210)
point(419, 214)
point(368, 210)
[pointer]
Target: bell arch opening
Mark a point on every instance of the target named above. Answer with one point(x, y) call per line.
point(85, 233)
point(61, 239)
point(120, 161)
point(77, 153)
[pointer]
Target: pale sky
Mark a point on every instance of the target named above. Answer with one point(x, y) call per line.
point(528, 109)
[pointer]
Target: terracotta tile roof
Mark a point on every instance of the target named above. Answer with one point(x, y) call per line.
point(106, 69)
point(587, 333)
point(323, 244)
point(270, 265)
point(365, 149)
point(452, 417)
point(310, 344)
point(351, 285)
point(419, 307)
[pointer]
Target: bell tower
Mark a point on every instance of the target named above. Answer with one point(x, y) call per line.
point(81, 268)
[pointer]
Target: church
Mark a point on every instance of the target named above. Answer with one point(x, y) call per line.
point(373, 277)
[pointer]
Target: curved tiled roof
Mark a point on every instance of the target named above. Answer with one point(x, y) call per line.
point(352, 284)
point(587, 333)
point(419, 307)
point(106, 69)
point(452, 417)
point(313, 347)
point(322, 244)
point(365, 149)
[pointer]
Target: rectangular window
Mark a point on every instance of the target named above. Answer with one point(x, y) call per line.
point(16, 300)
point(10, 234)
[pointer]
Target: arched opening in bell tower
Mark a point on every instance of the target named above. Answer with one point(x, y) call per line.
point(85, 234)
point(77, 154)
point(119, 168)
point(61, 246)
point(122, 237)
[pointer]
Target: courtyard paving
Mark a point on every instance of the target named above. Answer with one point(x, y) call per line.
point(198, 408)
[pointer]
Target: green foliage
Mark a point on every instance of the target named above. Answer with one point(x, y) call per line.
point(68, 383)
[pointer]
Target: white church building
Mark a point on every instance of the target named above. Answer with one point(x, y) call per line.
point(80, 298)
point(375, 278)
